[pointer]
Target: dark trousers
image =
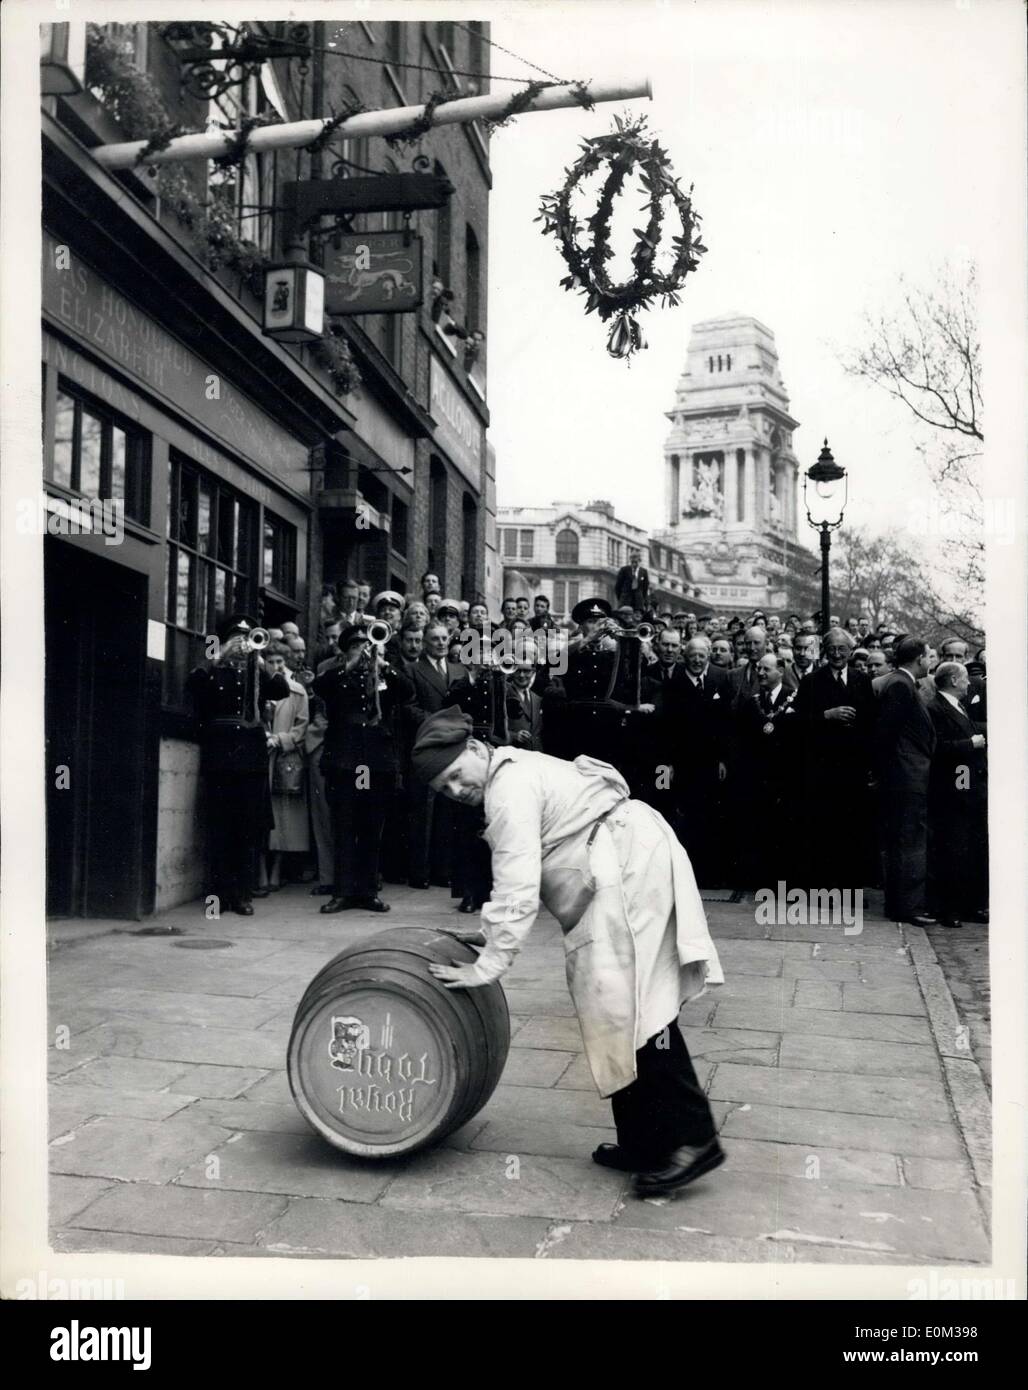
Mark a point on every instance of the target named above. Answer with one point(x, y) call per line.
point(238, 820)
point(472, 861)
point(664, 1108)
point(906, 849)
point(358, 817)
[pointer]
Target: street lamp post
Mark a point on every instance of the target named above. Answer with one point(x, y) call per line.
point(825, 503)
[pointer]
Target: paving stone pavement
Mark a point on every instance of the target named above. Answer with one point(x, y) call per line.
point(854, 1124)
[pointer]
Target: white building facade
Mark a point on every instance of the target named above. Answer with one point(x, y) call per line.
point(573, 550)
point(732, 485)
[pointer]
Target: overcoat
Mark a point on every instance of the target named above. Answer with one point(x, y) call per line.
point(289, 721)
point(565, 835)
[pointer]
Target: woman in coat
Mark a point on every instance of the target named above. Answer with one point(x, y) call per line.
point(565, 835)
point(289, 720)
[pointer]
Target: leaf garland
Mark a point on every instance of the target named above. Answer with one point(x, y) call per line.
point(629, 145)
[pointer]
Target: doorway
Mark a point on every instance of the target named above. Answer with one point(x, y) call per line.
point(95, 735)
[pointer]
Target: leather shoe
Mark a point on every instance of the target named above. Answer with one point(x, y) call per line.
point(614, 1156)
point(980, 919)
point(950, 922)
point(321, 890)
point(418, 882)
point(467, 905)
point(684, 1166)
point(920, 919)
point(243, 909)
point(372, 904)
point(258, 892)
point(337, 905)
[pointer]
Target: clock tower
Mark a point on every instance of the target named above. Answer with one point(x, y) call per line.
point(731, 477)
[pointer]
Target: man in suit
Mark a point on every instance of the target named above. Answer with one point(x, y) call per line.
point(958, 804)
point(632, 585)
point(977, 693)
point(903, 745)
point(835, 707)
point(658, 754)
point(524, 706)
point(805, 654)
point(430, 823)
point(744, 680)
point(768, 743)
point(696, 706)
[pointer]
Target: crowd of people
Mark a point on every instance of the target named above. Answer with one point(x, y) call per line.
point(852, 760)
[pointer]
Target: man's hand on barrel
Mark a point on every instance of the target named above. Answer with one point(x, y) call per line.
point(458, 976)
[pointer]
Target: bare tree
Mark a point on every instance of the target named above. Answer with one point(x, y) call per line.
point(927, 355)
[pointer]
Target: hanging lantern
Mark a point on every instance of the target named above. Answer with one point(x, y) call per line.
point(62, 59)
point(294, 300)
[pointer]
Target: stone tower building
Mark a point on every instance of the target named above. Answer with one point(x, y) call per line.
point(731, 478)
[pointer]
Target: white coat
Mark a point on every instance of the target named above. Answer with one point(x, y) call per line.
point(622, 888)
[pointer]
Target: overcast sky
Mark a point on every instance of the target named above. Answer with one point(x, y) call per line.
point(834, 147)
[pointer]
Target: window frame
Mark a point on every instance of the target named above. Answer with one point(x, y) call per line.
point(138, 474)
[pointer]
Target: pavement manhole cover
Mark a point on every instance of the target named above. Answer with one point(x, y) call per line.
point(203, 943)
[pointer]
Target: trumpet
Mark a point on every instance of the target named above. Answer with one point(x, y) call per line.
point(257, 639)
point(379, 633)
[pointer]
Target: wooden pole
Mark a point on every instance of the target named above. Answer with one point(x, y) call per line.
point(295, 133)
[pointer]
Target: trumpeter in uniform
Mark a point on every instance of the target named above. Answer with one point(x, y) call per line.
point(229, 696)
point(568, 837)
point(359, 763)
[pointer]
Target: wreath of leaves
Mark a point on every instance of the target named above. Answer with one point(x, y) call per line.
point(629, 145)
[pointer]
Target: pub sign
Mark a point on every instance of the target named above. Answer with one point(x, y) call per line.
point(374, 273)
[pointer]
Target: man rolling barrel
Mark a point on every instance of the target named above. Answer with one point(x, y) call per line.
point(567, 836)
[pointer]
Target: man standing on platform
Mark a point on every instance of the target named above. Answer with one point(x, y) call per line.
point(632, 585)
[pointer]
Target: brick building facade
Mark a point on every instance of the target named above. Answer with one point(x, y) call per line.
point(248, 473)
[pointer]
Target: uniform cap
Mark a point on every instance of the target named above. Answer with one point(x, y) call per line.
point(590, 608)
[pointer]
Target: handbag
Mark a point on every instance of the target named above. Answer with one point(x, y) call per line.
point(287, 775)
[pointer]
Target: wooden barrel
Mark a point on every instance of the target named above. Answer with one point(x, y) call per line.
point(383, 1059)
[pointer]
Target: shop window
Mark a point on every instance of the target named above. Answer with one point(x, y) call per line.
point(212, 566)
point(279, 555)
point(99, 454)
